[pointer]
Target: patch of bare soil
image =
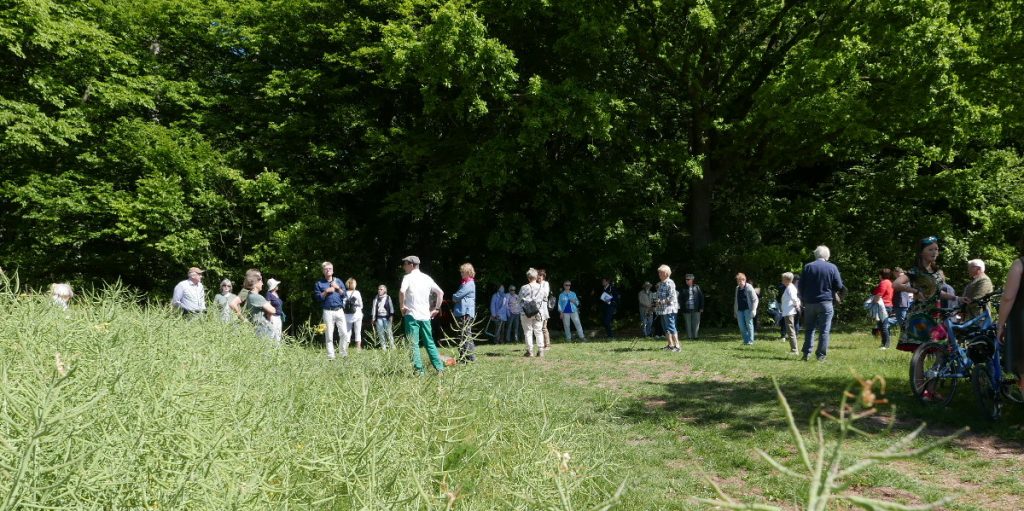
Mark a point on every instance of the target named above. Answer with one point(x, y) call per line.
point(653, 403)
point(990, 447)
point(738, 489)
point(987, 446)
point(979, 495)
point(887, 494)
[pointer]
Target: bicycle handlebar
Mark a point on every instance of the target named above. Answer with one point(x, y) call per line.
point(987, 298)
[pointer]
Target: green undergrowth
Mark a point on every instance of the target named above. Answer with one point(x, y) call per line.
point(110, 405)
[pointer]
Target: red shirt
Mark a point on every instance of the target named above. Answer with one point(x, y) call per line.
point(884, 289)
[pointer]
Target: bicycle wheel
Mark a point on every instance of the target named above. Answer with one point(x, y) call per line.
point(988, 395)
point(927, 369)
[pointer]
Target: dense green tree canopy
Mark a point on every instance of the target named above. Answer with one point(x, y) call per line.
point(593, 138)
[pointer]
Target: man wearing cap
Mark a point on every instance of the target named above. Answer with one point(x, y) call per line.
point(414, 295)
point(691, 301)
point(189, 296)
point(646, 301)
point(330, 293)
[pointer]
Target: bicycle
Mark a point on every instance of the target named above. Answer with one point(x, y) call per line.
point(991, 386)
point(937, 366)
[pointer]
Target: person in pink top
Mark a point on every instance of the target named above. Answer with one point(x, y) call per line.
point(884, 291)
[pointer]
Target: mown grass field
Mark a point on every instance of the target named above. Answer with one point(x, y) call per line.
point(158, 413)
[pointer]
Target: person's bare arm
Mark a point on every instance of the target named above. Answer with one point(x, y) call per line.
point(440, 298)
point(1009, 295)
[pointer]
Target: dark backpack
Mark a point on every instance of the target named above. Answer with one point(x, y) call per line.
point(530, 308)
point(350, 305)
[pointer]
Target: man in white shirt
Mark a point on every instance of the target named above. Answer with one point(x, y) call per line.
point(414, 295)
point(189, 296)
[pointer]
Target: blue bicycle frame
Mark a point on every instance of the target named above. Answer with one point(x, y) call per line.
point(937, 366)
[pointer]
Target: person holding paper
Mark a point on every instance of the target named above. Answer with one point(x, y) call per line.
point(609, 302)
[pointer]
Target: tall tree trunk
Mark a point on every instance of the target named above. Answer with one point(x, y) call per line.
point(700, 210)
point(701, 187)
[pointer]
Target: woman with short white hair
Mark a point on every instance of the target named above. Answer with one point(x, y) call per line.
point(666, 305)
point(61, 294)
point(532, 298)
point(790, 306)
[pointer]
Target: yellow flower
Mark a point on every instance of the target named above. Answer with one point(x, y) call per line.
point(321, 328)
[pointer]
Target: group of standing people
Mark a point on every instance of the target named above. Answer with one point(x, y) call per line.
point(265, 311)
point(813, 297)
point(509, 321)
point(342, 305)
point(419, 299)
point(926, 290)
point(908, 298)
point(690, 305)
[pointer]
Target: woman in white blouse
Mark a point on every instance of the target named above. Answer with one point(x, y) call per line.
point(354, 318)
point(790, 307)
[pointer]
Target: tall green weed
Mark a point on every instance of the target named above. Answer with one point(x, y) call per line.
point(114, 405)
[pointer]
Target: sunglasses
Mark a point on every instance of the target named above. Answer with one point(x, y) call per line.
point(929, 240)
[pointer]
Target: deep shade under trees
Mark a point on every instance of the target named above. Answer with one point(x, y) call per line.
point(591, 138)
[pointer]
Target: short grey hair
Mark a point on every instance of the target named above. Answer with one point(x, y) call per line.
point(665, 269)
point(531, 274)
point(787, 276)
point(977, 262)
point(822, 252)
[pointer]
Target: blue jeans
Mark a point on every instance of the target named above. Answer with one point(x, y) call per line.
point(883, 327)
point(745, 318)
point(668, 323)
point(384, 335)
point(515, 328)
point(817, 316)
point(647, 322)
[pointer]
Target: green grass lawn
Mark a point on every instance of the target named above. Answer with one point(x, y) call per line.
point(159, 413)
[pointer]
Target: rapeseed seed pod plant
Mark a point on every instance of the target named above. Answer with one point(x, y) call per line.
point(132, 406)
point(825, 465)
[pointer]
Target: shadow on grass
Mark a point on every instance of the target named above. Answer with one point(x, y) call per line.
point(739, 408)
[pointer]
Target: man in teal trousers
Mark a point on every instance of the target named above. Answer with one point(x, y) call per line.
point(414, 295)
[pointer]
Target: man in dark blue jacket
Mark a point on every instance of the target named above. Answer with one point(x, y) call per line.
point(330, 293)
point(819, 286)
